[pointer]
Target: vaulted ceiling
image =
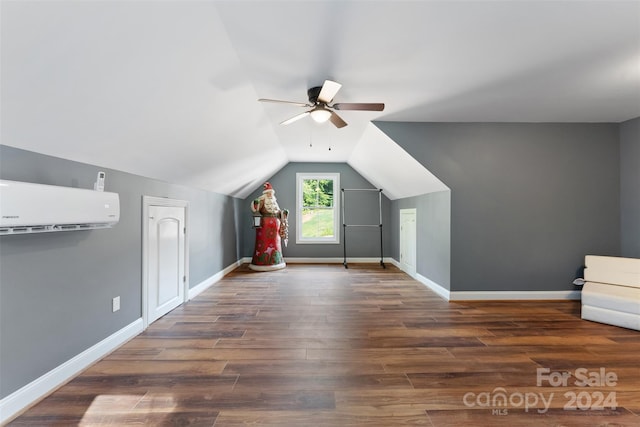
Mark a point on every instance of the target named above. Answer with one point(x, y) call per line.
point(169, 89)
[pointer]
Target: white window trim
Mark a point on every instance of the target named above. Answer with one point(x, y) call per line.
point(300, 177)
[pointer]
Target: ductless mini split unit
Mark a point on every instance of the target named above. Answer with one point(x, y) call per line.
point(37, 208)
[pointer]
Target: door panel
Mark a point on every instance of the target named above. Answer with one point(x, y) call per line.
point(166, 264)
point(408, 232)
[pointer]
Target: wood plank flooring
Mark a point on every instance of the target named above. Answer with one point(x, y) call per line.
point(364, 346)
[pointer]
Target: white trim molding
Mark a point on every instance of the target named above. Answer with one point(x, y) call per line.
point(513, 295)
point(208, 282)
point(438, 289)
point(333, 260)
point(495, 295)
point(392, 261)
point(21, 399)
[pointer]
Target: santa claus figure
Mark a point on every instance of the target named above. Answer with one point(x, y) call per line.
point(267, 254)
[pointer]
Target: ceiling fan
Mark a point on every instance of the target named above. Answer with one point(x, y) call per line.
point(319, 99)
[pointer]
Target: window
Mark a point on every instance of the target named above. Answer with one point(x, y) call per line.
point(317, 208)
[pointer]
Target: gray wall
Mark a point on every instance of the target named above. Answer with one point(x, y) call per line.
point(630, 188)
point(433, 234)
point(361, 208)
point(528, 201)
point(56, 288)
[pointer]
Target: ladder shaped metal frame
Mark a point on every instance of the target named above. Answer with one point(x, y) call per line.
point(345, 225)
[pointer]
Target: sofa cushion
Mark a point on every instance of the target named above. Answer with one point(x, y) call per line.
point(613, 297)
point(613, 270)
point(611, 317)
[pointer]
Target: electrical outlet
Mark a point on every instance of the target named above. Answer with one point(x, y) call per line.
point(115, 303)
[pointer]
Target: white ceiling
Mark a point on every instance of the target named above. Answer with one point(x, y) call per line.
point(169, 89)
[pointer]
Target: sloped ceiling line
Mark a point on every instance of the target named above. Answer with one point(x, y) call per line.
point(169, 90)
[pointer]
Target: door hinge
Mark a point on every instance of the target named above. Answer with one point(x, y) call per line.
point(184, 279)
point(184, 230)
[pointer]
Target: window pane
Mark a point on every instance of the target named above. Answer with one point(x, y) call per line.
point(318, 193)
point(317, 222)
point(317, 212)
point(317, 208)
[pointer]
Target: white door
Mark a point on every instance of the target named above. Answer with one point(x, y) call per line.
point(408, 241)
point(166, 260)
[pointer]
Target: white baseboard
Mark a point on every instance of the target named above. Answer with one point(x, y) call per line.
point(21, 399)
point(513, 295)
point(496, 295)
point(206, 283)
point(393, 262)
point(333, 260)
point(329, 260)
point(438, 289)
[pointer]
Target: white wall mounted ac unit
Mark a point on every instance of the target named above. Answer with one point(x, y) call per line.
point(37, 208)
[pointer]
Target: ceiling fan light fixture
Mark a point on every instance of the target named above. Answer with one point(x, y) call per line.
point(320, 115)
point(319, 99)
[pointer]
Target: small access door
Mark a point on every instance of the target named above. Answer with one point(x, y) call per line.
point(165, 253)
point(408, 241)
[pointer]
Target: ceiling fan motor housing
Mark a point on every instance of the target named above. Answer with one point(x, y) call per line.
point(321, 111)
point(313, 94)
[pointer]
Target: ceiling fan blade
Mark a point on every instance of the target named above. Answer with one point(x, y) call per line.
point(362, 106)
point(295, 118)
point(328, 91)
point(337, 120)
point(299, 104)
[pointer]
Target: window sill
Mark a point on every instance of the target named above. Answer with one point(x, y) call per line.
point(317, 242)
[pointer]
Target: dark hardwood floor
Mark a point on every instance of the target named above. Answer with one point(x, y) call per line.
point(327, 346)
